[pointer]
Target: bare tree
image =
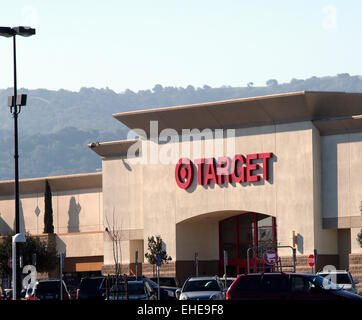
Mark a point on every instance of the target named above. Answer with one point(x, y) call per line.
point(115, 235)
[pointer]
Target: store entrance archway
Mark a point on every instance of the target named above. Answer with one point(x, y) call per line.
point(243, 231)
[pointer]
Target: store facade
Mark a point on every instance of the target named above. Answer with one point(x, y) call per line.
point(280, 170)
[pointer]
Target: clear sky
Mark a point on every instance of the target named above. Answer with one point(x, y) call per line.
point(136, 44)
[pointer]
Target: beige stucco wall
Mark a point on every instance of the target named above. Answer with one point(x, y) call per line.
point(123, 207)
point(341, 180)
point(325, 240)
point(80, 244)
point(75, 212)
point(30, 213)
point(78, 211)
point(342, 175)
point(292, 195)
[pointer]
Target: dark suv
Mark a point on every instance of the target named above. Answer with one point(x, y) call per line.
point(166, 292)
point(47, 290)
point(94, 288)
point(291, 286)
point(91, 288)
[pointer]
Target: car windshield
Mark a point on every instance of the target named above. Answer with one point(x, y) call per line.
point(90, 284)
point(201, 285)
point(229, 282)
point(48, 287)
point(340, 278)
point(133, 289)
point(167, 282)
point(150, 282)
point(324, 283)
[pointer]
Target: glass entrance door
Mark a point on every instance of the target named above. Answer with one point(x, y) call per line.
point(237, 234)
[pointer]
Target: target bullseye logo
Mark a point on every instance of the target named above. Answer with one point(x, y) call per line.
point(184, 173)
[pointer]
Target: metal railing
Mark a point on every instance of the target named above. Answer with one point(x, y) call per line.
point(278, 264)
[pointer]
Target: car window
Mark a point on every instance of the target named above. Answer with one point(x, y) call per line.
point(274, 284)
point(339, 278)
point(152, 283)
point(343, 278)
point(133, 289)
point(168, 282)
point(228, 282)
point(90, 285)
point(48, 287)
point(201, 285)
point(323, 283)
point(252, 283)
point(148, 287)
point(136, 288)
point(300, 284)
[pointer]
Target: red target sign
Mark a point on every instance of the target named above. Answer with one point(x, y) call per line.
point(184, 173)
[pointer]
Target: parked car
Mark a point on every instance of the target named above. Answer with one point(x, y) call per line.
point(291, 286)
point(167, 281)
point(8, 294)
point(202, 288)
point(166, 292)
point(229, 281)
point(342, 278)
point(47, 290)
point(137, 290)
point(94, 288)
point(91, 288)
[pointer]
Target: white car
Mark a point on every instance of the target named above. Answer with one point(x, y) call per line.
point(341, 278)
point(202, 288)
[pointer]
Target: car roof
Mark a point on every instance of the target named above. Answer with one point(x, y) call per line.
point(133, 281)
point(277, 273)
point(93, 278)
point(202, 278)
point(333, 271)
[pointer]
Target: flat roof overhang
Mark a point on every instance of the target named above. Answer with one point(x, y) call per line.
point(111, 148)
point(57, 183)
point(332, 112)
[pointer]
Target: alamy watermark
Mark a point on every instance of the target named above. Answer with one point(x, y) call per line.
point(329, 277)
point(168, 145)
point(330, 17)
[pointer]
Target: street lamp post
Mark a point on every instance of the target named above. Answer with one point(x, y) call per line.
point(18, 238)
point(15, 103)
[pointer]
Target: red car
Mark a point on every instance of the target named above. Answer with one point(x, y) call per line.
point(286, 286)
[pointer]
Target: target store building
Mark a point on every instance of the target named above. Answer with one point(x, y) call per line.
point(282, 169)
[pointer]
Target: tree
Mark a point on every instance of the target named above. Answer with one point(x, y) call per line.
point(343, 75)
point(359, 238)
point(156, 246)
point(115, 235)
point(272, 83)
point(157, 88)
point(46, 254)
point(48, 211)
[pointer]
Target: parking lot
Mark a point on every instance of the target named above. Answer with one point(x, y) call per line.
point(247, 287)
